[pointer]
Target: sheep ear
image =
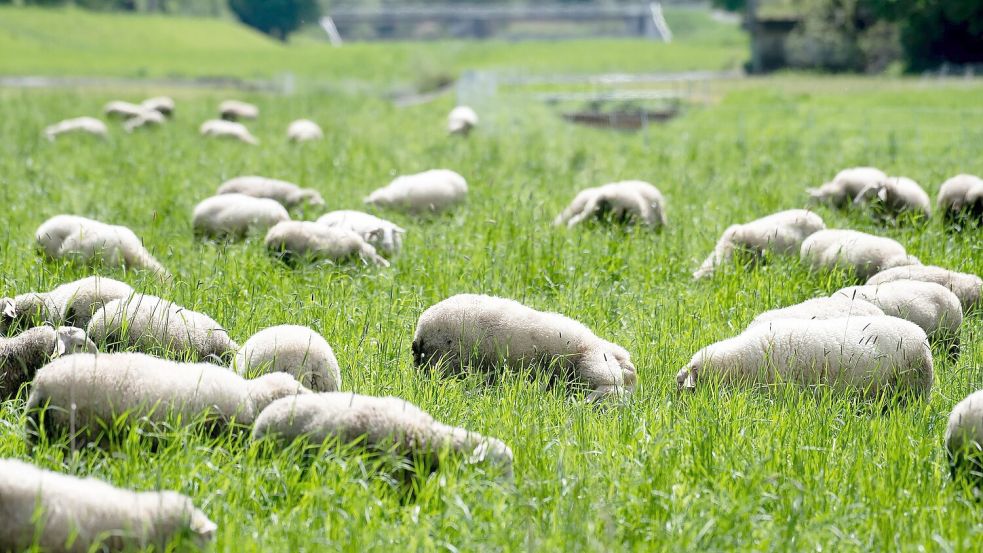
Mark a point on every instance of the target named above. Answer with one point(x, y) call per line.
point(882, 194)
point(9, 309)
point(60, 347)
point(201, 525)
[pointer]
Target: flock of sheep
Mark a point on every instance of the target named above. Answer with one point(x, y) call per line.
point(96, 350)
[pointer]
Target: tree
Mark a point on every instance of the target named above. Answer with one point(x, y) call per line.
point(933, 33)
point(277, 18)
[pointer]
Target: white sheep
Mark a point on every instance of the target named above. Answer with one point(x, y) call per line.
point(960, 195)
point(429, 191)
point(896, 195)
point(383, 424)
point(386, 236)
point(871, 355)
point(58, 512)
point(625, 201)
point(292, 349)
point(149, 323)
point(72, 303)
point(846, 185)
point(88, 125)
point(227, 129)
point(304, 130)
point(864, 254)
point(836, 307)
point(781, 233)
point(964, 437)
point(22, 355)
point(293, 239)
point(90, 241)
point(931, 306)
point(147, 118)
point(236, 215)
point(484, 332)
point(287, 193)
point(233, 110)
point(967, 287)
point(461, 120)
point(162, 104)
point(122, 110)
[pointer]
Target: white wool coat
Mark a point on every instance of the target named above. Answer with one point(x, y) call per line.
point(629, 201)
point(836, 307)
point(931, 306)
point(431, 191)
point(846, 185)
point(227, 129)
point(293, 349)
point(292, 239)
point(862, 253)
point(461, 120)
point(304, 130)
point(386, 236)
point(236, 215)
point(961, 193)
point(236, 109)
point(967, 287)
point(89, 241)
point(88, 125)
point(964, 433)
point(287, 193)
point(72, 303)
point(897, 195)
point(22, 355)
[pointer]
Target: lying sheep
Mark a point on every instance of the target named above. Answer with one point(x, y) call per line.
point(147, 118)
point(21, 356)
point(292, 349)
point(961, 195)
point(625, 201)
point(475, 331)
point(227, 129)
point(383, 424)
point(88, 125)
point(90, 241)
point(870, 355)
point(72, 303)
point(287, 193)
point(836, 307)
point(931, 306)
point(781, 233)
point(122, 110)
point(862, 253)
point(846, 185)
point(162, 104)
point(292, 239)
point(58, 512)
point(84, 392)
point(149, 323)
point(964, 437)
point(233, 110)
point(304, 130)
point(967, 287)
point(896, 195)
point(236, 215)
point(386, 236)
point(461, 120)
point(429, 191)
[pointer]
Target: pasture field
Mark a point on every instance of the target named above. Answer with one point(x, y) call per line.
point(711, 471)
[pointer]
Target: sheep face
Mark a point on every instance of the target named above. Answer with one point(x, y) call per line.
point(312, 197)
point(609, 372)
point(71, 340)
point(268, 388)
point(686, 377)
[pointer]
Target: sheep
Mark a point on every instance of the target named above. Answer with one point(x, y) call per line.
point(931, 306)
point(870, 355)
point(151, 323)
point(233, 110)
point(431, 191)
point(72, 303)
point(292, 349)
point(236, 215)
point(58, 512)
point(864, 254)
point(162, 104)
point(964, 438)
point(21, 356)
point(835, 307)
point(122, 110)
point(79, 394)
point(147, 118)
point(383, 424)
point(304, 130)
point(461, 120)
point(292, 239)
point(490, 330)
point(227, 129)
point(90, 241)
point(897, 195)
point(88, 125)
point(961, 195)
point(386, 236)
point(967, 287)
point(846, 185)
point(627, 201)
point(287, 193)
point(781, 233)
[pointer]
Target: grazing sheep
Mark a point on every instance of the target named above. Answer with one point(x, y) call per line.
point(626, 201)
point(292, 349)
point(961, 195)
point(147, 118)
point(488, 331)
point(227, 129)
point(89, 125)
point(233, 110)
point(287, 193)
point(162, 104)
point(967, 287)
point(122, 110)
point(58, 512)
point(433, 191)
point(846, 185)
point(931, 306)
point(382, 424)
point(81, 393)
point(871, 355)
point(461, 120)
point(964, 437)
point(781, 233)
point(236, 215)
point(21, 356)
point(304, 130)
point(292, 239)
point(151, 323)
point(90, 241)
point(836, 307)
point(72, 303)
point(386, 236)
point(865, 254)
point(897, 195)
